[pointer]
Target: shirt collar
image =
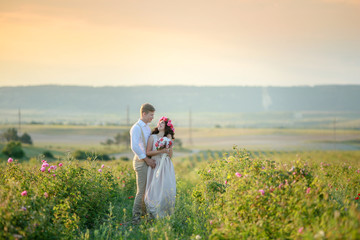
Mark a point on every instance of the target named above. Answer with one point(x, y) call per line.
point(142, 123)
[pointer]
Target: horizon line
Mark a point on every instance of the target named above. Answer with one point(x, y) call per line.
point(177, 85)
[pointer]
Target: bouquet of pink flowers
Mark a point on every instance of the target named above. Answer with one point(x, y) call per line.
point(162, 143)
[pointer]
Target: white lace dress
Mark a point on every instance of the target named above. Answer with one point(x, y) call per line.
point(160, 189)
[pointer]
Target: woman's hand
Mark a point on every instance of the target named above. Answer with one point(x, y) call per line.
point(165, 150)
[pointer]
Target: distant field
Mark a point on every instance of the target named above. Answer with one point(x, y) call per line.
point(68, 138)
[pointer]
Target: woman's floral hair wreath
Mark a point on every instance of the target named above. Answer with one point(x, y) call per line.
point(165, 119)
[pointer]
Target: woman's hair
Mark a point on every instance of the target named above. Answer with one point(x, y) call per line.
point(168, 130)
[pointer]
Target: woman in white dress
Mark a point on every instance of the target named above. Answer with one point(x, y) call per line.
point(161, 184)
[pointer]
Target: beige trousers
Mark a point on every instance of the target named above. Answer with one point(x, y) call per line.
point(141, 169)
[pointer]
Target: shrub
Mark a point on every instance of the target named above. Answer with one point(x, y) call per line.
point(13, 149)
point(11, 135)
point(259, 199)
point(48, 154)
point(61, 203)
point(104, 157)
point(80, 155)
point(25, 138)
point(124, 158)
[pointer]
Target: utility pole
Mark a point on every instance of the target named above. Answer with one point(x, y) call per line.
point(19, 130)
point(190, 137)
point(127, 116)
point(335, 133)
point(127, 125)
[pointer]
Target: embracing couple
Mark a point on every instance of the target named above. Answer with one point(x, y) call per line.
point(155, 175)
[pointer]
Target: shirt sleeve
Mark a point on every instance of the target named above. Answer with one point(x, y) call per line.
point(137, 145)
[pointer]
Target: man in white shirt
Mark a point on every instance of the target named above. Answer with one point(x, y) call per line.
point(139, 135)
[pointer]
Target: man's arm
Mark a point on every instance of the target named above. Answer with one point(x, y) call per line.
point(135, 134)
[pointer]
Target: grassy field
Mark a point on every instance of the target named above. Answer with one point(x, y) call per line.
point(83, 203)
point(283, 192)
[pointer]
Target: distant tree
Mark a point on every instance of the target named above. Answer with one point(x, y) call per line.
point(126, 138)
point(178, 143)
point(104, 157)
point(13, 149)
point(109, 142)
point(124, 158)
point(48, 154)
point(122, 138)
point(11, 134)
point(80, 155)
point(118, 137)
point(25, 138)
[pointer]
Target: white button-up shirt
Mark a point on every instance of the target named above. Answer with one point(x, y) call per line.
point(137, 143)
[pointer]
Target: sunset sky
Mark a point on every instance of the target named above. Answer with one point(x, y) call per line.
point(187, 42)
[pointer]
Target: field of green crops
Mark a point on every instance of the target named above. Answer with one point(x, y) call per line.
point(236, 194)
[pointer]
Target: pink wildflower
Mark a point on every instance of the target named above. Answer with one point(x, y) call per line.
point(60, 164)
point(24, 193)
point(301, 230)
point(46, 195)
point(10, 160)
point(43, 161)
point(49, 170)
point(308, 190)
point(211, 222)
point(51, 167)
point(262, 191)
point(281, 185)
point(225, 182)
point(54, 175)
point(238, 174)
point(100, 170)
point(102, 166)
point(209, 171)
point(45, 164)
point(23, 208)
point(42, 169)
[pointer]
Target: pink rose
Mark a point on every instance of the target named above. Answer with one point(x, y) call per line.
point(60, 164)
point(238, 174)
point(43, 161)
point(10, 160)
point(24, 193)
point(42, 169)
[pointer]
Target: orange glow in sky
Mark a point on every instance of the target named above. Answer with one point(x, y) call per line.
point(161, 42)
